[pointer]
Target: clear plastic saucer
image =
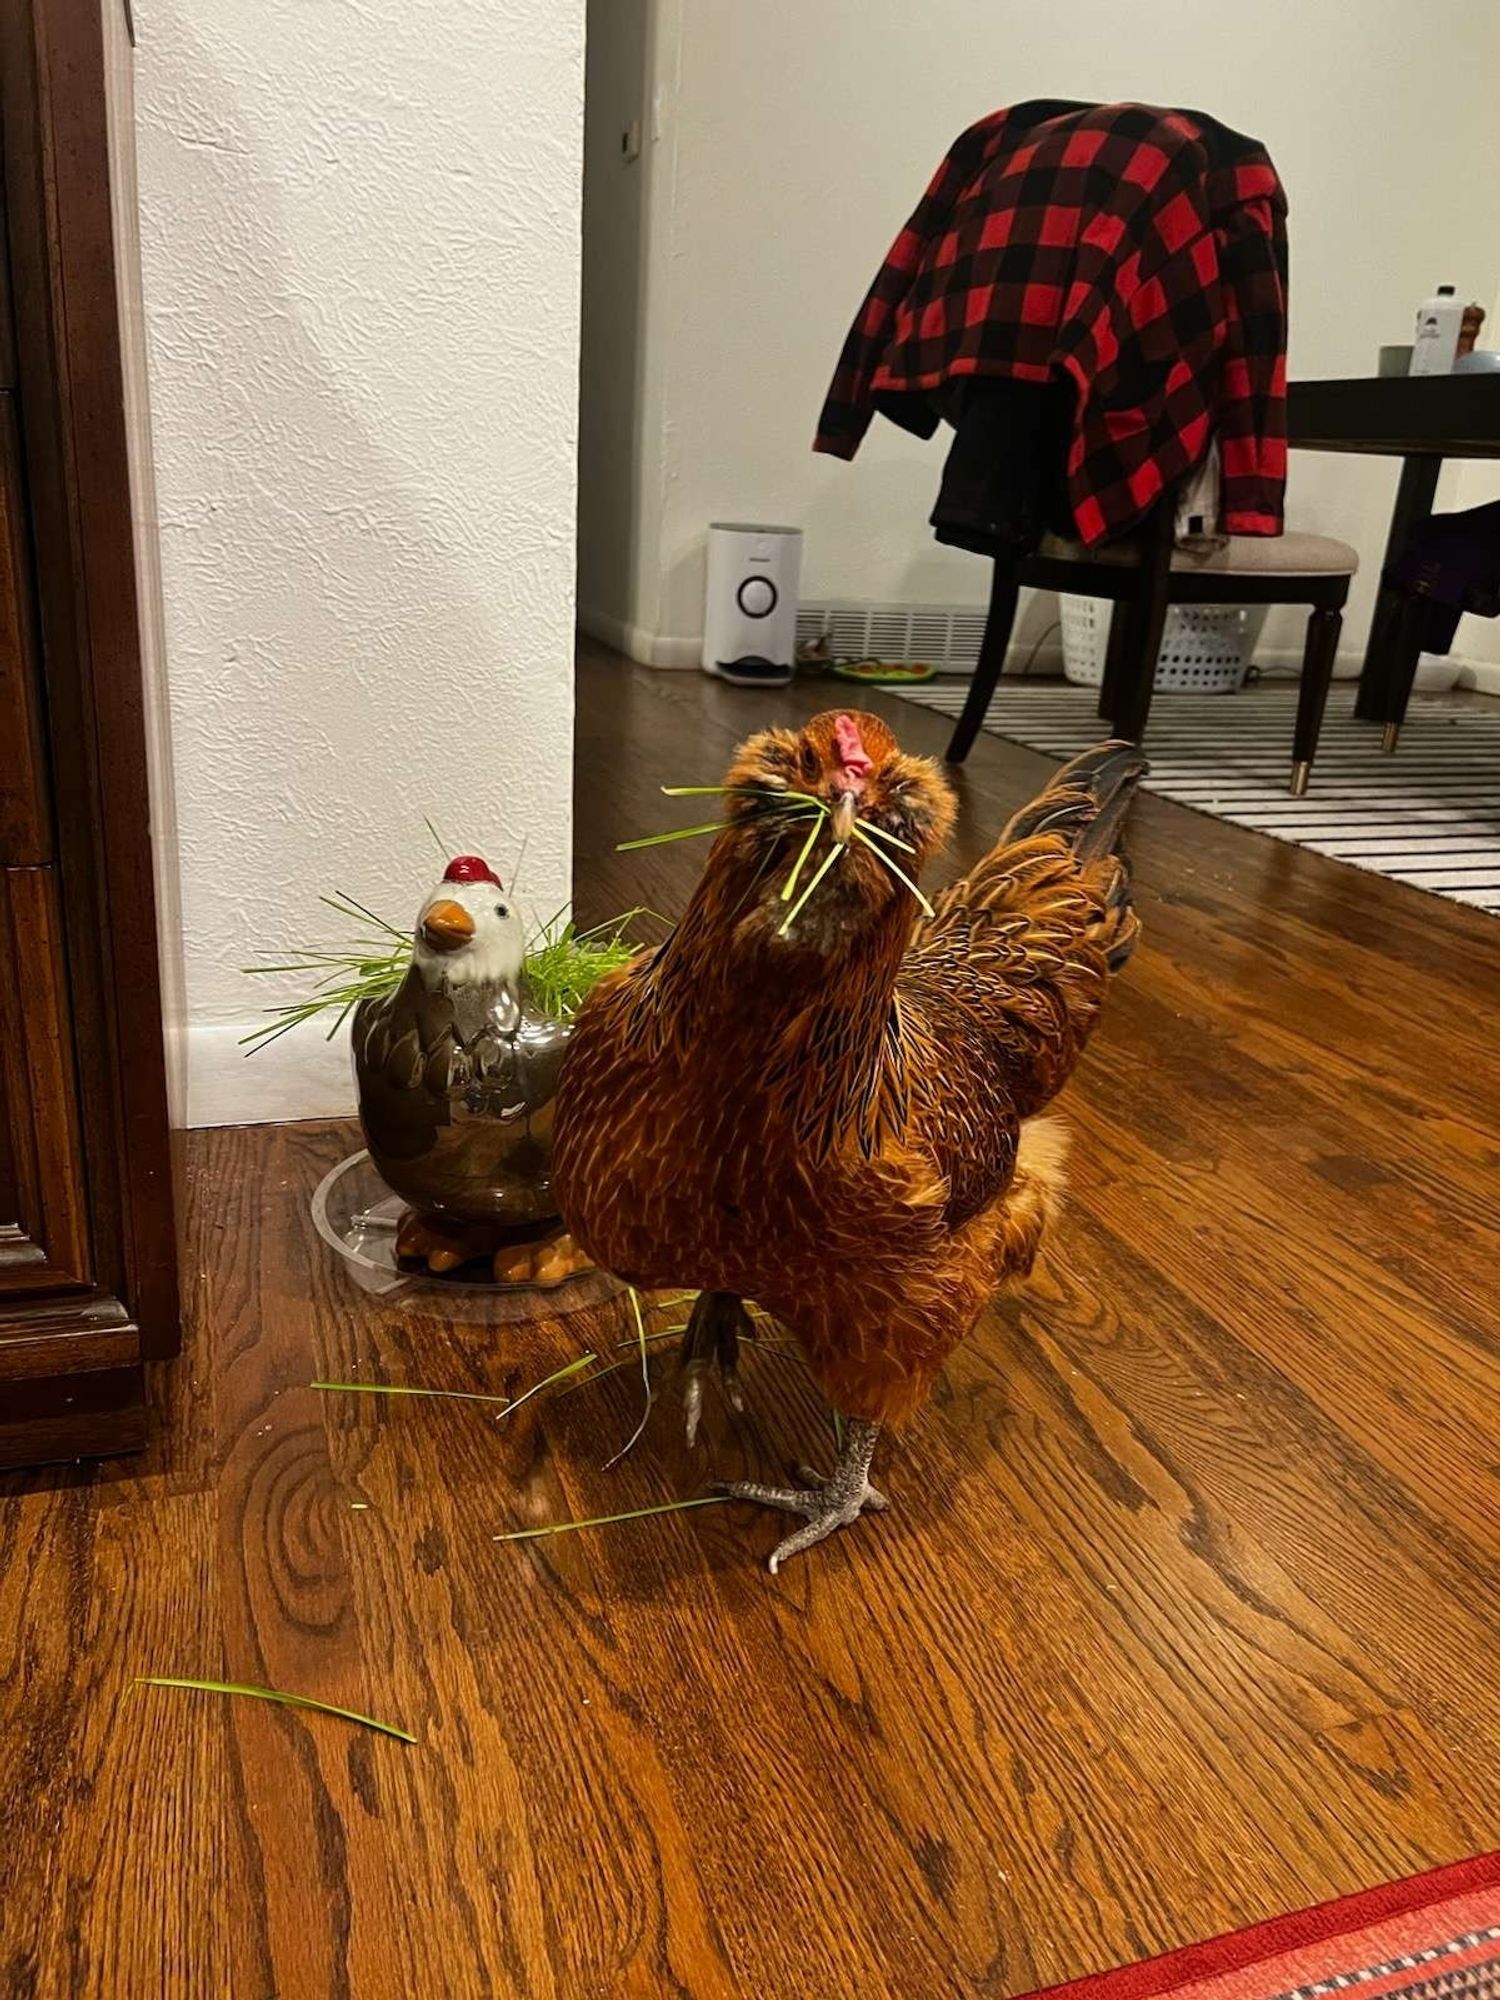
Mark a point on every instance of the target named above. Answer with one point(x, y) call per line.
point(357, 1215)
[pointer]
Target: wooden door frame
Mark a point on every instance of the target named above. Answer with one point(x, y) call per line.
point(54, 147)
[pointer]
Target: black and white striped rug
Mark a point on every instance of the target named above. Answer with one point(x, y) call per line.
point(1428, 816)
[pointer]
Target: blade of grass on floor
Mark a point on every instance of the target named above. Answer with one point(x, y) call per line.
point(459, 1395)
point(610, 1368)
point(404, 1389)
point(640, 1334)
point(558, 1375)
point(608, 1520)
point(277, 1695)
point(664, 1333)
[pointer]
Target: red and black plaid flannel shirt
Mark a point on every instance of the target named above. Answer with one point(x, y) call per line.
point(1142, 253)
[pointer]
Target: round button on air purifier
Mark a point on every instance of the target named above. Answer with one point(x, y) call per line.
point(757, 597)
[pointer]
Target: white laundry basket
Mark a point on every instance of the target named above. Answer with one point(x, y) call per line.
point(1205, 648)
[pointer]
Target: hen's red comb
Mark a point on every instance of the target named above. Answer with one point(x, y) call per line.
point(469, 868)
point(852, 752)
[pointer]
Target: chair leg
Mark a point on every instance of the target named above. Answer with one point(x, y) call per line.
point(1146, 615)
point(1319, 650)
point(1114, 658)
point(1004, 596)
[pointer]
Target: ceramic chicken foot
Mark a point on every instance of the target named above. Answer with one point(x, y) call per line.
point(442, 1243)
point(828, 1503)
point(712, 1338)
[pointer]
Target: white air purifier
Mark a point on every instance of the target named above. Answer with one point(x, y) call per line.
point(750, 617)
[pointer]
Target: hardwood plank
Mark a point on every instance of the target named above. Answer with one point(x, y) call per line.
point(1185, 1615)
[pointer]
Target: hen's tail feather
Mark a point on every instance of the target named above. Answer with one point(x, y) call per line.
point(1085, 802)
point(1025, 942)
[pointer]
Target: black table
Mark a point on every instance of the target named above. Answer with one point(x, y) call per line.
point(1421, 420)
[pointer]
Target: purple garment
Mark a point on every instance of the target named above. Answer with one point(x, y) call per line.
point(1453, 561)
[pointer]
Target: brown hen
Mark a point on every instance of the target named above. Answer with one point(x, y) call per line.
point(836, 1115)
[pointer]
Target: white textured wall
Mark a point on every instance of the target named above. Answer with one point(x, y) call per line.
point(360, 227)
point(798, 134)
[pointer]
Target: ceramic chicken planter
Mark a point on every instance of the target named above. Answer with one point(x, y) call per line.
point(456, 1079)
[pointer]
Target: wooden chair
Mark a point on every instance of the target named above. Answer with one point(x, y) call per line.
point(1141, 578)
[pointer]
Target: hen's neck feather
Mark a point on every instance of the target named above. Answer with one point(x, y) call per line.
point(814, 1030)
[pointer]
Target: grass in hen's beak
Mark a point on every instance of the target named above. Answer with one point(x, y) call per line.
point(886, 862)
point(880, 833)
point(736, 791)
point(862, 831)
point(792, 807)
point(797, 908)
point(789, 887)
point(773, 805)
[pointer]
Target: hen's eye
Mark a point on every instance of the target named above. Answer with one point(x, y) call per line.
point(501, 911)
point(809, 761)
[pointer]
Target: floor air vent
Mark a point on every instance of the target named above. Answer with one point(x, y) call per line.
point(946, 636)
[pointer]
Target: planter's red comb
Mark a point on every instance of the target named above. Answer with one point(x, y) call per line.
point(469, 868)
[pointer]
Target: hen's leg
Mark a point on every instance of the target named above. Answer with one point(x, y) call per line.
point(712, 1337)
point(827, 1503)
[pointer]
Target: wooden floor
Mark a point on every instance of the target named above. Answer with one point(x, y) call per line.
point(1187, 1611)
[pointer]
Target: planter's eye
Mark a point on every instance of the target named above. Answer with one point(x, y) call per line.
point(501, 910)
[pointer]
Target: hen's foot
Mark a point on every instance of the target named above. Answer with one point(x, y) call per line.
point(712, 1340)
point(826, 1503)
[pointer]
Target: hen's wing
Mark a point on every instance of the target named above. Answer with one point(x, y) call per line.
point(1003, 984)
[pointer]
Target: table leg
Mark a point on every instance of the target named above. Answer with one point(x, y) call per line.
point(1414, 497)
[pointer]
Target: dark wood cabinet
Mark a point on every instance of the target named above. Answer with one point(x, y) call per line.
point(88, 1274)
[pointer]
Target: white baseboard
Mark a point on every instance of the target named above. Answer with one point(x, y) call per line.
point(651, 649)
point(1482, 675)
point(658, 649)
point(655, 649)
point(300, 1075)
point(675, 654)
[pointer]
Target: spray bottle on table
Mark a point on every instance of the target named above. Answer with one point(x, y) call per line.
point(1439, 320)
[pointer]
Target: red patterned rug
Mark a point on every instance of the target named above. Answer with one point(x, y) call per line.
point(1434, 1937)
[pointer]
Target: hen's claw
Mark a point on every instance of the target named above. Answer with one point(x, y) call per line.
point(827, 1503)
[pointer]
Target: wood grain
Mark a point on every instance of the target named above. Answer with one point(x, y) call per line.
point(1186, 1613)
point(42, 1195)
point(25, 806)
point(61, 250)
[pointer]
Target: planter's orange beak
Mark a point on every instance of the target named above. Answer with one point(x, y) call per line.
point(446, 926)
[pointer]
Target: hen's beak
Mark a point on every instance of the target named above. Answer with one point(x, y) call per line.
point(845, 810)
point(446, 926)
